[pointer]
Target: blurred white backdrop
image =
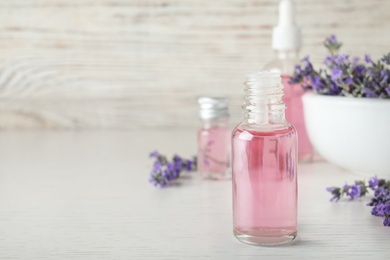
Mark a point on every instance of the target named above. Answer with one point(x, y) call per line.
point(104, 64)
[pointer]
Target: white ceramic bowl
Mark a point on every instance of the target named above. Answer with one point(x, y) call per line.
point(353, 133)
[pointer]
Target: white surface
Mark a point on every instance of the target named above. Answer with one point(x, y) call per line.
point(86, 196)
point(350, 132)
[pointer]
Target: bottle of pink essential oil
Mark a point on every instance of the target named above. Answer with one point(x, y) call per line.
point(286, 41)
point(214, 138)
point(264, 166)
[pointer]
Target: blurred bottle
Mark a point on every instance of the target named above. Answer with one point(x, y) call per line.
point(214, 138)
point(286, 41)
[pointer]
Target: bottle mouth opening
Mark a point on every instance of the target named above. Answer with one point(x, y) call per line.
point(262, 74)
point(264, 79)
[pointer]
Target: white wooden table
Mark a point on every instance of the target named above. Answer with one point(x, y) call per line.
point(85, 195)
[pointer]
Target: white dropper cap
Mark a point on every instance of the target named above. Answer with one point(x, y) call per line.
point(286, 35)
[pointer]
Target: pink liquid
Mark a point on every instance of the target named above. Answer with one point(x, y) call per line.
point(294, 115)
point(264, 186)
point(214, 152)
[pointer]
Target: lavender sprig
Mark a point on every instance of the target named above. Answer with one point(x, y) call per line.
point(380, 202)
point(164, 171)
point(332, 44)
point(343, 76)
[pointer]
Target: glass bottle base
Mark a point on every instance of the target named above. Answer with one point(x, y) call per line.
point(266, 237)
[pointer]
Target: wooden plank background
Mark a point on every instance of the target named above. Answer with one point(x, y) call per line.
point(92, 64)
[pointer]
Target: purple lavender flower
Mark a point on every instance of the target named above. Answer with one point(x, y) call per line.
point(189, 166)
point(377, 210)
point(332, 44)
point(335, 192)
point(178, 161)
point(331, 39)
point(158, 175)
point(382, 192)
point(158, 181)
point(380, 201)
point(164, 171)
point(174, 170)
point(348, 81)
point(360, 70)
point(157, 166)
point(308, 69)
point(317, 83)
point(336, 73)
point(345, 78)
point(363, 188)
point(297, 77)
point(154, 154)
point(354, 191)
point(329, 60)
point(374, 201)
point(167, 175)
point(386, 208)
point(373, 182)
point(367, 59)
point(386, 59)
point(334, 88)
point(370, 93)
point(346, 188)
point(342, 58)
point(383, 195)
point(177, 158)
point(385, 75)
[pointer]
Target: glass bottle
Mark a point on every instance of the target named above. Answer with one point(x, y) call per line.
point(286, 42)
point(213, 138)
point(264, 166)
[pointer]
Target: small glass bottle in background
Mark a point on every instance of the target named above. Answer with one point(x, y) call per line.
point(264, 166)
point(286, 41)
point(214, 138)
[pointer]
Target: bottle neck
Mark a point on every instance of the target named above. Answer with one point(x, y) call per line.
point(263, 103)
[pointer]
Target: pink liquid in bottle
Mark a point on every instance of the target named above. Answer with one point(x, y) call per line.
point(264, 185)
point(214, 152)
point(294, 114)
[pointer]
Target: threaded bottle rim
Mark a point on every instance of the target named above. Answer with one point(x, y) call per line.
point(263, 102)
point(264, 80)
